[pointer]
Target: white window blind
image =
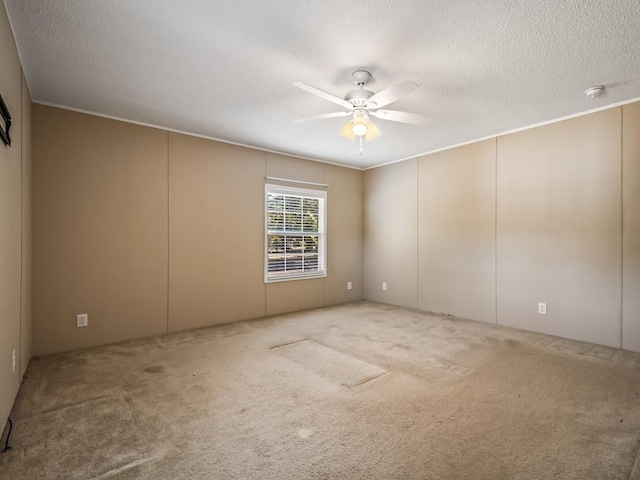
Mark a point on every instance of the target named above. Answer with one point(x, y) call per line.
point(295, 233)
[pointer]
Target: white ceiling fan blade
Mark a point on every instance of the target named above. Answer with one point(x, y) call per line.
point(392, 93)
point(323, 94)
point(403, 117)
point(324, 115)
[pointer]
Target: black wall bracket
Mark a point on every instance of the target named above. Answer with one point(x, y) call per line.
point(6, 445)
point(6, 123)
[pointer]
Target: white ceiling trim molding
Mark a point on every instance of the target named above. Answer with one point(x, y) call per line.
point(205, 137)
point(522, 129)
point(252, 147)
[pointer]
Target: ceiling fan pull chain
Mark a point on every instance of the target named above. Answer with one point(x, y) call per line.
point(361, 150)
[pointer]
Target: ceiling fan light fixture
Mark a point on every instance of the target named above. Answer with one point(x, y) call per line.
point(372, 131)
point(347, 131)
point(360, 128)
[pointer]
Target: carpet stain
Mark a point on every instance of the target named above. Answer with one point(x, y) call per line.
point(460, 370)
point(304, 433)
point(123, 468)
point(155, 369)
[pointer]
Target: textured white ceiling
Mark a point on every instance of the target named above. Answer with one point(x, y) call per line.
point(224, 69)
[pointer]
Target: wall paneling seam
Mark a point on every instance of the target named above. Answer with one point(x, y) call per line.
point(418, 233)
point(621, 226)
point(19, 359)
point(263, 243)
point(495, 232)
point(326, 243)
point(168, 228)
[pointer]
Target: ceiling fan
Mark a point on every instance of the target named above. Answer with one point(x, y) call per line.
point(363, 104)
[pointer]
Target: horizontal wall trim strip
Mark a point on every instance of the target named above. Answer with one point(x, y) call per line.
point(197, 135)
point(508, 132)
point(302, 182)
point(495, 135)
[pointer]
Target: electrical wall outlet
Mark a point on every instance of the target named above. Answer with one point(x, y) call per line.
point(349, 285)
point(14, 361)
point(82, 320)
point(384, 285)
point(542, 308)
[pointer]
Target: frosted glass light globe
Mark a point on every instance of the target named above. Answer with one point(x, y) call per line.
point(360, 129)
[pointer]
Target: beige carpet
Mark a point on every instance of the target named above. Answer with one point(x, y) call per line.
point(361, 391)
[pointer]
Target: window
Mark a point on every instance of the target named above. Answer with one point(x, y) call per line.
point(295, 233)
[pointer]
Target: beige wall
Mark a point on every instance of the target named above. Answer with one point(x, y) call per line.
point(100, 230)
point(391, 234)
point(345, 235)
point(282, 166)
point(283, 297)
point(559, 231)
point(152, 232)
point(15, 321)
point(456, 231)
point(558, 228)
point(631, 219)
point(216, 241)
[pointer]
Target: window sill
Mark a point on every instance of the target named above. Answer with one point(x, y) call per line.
point(290, 279)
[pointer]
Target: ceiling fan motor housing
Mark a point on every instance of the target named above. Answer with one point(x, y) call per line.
point(358, 97)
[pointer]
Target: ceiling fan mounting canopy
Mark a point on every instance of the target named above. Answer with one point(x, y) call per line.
point(359, 96)
point(361, 77)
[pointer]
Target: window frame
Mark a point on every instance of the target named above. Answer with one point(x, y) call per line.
point(322, 231)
